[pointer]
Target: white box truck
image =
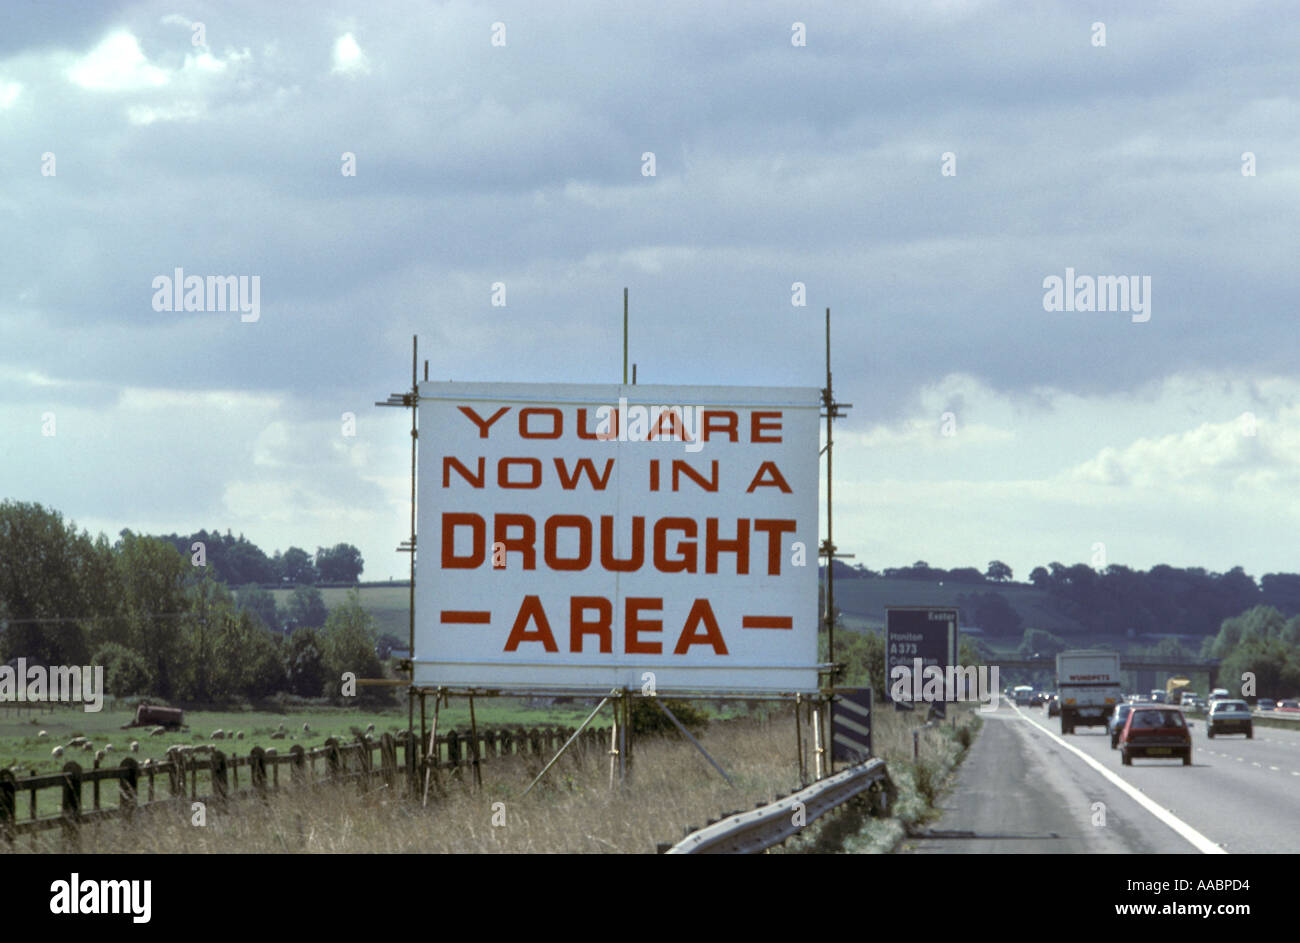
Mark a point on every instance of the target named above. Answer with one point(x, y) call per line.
point(1089, 686)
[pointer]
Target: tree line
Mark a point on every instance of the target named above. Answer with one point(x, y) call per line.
point(1114, 600)
point(237, 561)
point(162, 625)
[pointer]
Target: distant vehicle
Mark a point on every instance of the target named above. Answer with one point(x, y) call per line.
point(1219, 694)
point(1155, 731)
point(1024, 695)
point(1054, 706)
point(1115, 723)
point(1175, 688)
point(1089, 686)
point(1227, 716)
point(1288, 707)
point(1158, 697)
point(1266, 704)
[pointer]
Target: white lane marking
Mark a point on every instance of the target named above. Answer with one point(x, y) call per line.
point(1197, 840)
point(1275, 769)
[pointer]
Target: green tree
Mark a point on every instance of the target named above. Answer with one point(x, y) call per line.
point(341, 563)
point(863, 657)
point(997, 571)
point(125, 672)
point(49, 591)
point(307, 608)
point(261, 603)
point(305, 663)
point(298, 567)
point(349, 640)
point(152, 576)
point(1039, 642)
point(248, 660)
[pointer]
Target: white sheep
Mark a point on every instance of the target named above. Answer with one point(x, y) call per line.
point(43, 733)
point(278, 735)
point(218, 734)
point(157, 731)
point(108, 748)
point(239, 735)
point(370, 728)
point(88, 747)
point(281, 727)
point(99, 755)
point(57, 751)
point(306, 728)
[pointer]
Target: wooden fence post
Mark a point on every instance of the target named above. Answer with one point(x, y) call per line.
point(333, 760)
point(71, 801)
point(257, 770)
point(176, 774)
point(388, 759)
point(8, 804)
point(298, 765)
point(220, 777)
point(535, 741)
point(128, 783)
point(453, 749)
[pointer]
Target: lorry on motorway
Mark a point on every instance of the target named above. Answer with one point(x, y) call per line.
point(1089, 686)
point(1175, 688)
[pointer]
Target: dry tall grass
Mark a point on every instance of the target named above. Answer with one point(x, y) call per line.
point(573, 810)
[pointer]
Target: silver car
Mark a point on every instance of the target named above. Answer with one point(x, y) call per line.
point(1229, 716)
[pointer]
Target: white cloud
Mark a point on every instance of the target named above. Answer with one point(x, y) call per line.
point(9, 92)
point(349, 59)
point(116, 64)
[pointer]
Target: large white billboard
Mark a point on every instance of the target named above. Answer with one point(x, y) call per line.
point(578, 537)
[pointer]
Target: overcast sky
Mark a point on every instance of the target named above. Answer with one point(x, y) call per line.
point(139, 138)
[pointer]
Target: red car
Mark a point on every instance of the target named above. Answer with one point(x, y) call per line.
point(1155, 730)
point(1288, 707)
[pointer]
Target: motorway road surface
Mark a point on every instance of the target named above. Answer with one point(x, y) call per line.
point(1019, 791)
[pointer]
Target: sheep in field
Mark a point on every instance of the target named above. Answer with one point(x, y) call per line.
point(57, 751)
point(135, 746)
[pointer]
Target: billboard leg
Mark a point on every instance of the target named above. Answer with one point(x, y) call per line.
point(583, 726)
point(473, 732)
point(798, 741)
point(431, 753)
point(687, 734)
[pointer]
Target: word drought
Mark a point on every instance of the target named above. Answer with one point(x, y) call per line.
point(683, 556)
point(69, 683)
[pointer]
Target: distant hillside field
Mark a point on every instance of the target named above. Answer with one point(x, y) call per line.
point(390, 606)
point(863, 601)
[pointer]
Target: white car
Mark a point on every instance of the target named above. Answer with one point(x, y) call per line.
point(1229, 716)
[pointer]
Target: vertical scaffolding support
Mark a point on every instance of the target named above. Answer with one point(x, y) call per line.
point(831, 413)
point(410, 400)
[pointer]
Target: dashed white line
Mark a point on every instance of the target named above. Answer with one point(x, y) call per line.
point(1197, 840)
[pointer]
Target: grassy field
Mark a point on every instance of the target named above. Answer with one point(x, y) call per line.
point(22, 748)
point(573, 811)
point(389, 605)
